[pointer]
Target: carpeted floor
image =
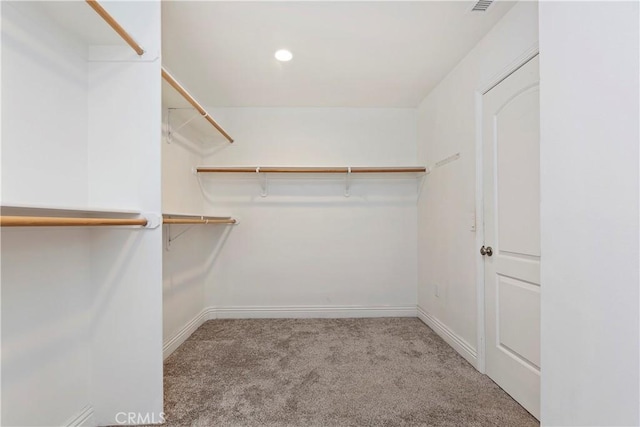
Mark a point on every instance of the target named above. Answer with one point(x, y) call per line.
point(329, 372)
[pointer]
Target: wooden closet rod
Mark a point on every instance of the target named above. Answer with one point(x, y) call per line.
point(416, 169)
point(244, 169)
point(47, 221)
point(116, 27)
point(182, 91)
point(303, 170)
point(199, 220)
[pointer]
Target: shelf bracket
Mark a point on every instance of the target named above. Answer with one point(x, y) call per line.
point(264, 184)
point(176, 237)
point(443, 162)
point(171, 129)
point(347, 183)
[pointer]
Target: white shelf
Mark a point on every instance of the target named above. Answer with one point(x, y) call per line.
point(191, 215)
point(62, 211)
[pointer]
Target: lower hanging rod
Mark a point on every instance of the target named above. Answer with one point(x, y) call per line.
point(198, 220)
point(46, 221)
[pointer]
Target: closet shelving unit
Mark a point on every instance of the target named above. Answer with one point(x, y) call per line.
point(81, 242)
point(417, 170)
point(38, 214)
point(172, 129)
point(190, 221)
point(420, 170)
point(80, 217)
point(84, 218)
point(196, 219)
point(347, 171)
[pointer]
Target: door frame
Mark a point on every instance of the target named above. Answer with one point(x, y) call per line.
point(483, 88)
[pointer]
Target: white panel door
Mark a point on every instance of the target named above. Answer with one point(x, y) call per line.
point(511, 165)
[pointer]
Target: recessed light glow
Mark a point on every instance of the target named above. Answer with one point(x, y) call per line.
point(283, 55)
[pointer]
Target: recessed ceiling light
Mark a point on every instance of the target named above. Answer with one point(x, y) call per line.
point(283, 55)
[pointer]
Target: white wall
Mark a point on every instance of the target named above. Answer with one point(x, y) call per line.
point(45, 304)
point(589, 218)
point(183, 267)
point(185, 257)
point(305, 249)
point(180, 154)
point(45, 326)
point(447, 250)
point(47, 85)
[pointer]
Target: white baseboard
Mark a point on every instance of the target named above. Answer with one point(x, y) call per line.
point(82, 418)
point(454, 340)
point(181, 336)
point(309, 312)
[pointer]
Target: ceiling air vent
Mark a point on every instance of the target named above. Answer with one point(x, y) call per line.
point(481, 6)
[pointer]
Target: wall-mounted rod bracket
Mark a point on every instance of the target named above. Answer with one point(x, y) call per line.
point(347, 183)
point(264, 183)
point(153, 220)
point(443, 162)
point(435, 165)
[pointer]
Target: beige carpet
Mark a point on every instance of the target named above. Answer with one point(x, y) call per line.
point(329, 372)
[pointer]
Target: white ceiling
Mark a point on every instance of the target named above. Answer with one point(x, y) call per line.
point(346, 54)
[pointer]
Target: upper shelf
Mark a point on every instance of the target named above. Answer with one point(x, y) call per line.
point(23, 215)
point(313, 170)
point(64, 210)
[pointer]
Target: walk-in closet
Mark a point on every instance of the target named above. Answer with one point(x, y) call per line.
point(322, 213)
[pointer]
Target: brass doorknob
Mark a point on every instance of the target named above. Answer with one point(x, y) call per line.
point(486, 251)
